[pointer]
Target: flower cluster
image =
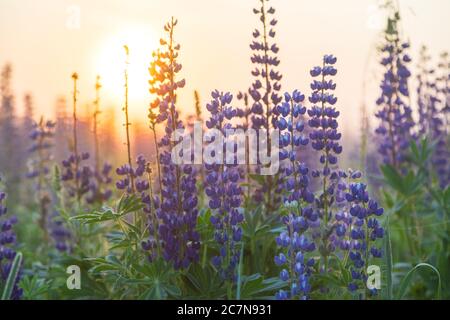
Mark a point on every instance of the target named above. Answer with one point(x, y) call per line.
point(293, 240)
point(291, 125)
point(99, 190)
point(325, 139)
point(41, 136)
point(76, 175)
point(441, 122)
point(365, 230)
point(138, 180)
point(7, 243)
point(59, 233)
point(178, 204)
point(394, 113)
point(265, 90)
point(225, 194)
point(294, 243)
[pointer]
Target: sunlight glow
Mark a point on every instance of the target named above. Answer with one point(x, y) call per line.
point(111, 63)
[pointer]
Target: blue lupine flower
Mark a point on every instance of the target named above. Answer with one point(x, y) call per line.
point(364, 231)
point(265, 93)
point(224, 192)
point(7, 244)
point(325, 139)
point(431, 99)
point(395, 115)
point(294, 245)
point(291, 124)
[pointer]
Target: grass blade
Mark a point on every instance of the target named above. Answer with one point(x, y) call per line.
point(407, 279)
point(13, 274)
point(388, 259)
point(239, 275)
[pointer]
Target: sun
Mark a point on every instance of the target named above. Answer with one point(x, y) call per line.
point(110, 65)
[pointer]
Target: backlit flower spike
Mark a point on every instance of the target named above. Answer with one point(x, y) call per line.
point(177, 212)
point(76, 174)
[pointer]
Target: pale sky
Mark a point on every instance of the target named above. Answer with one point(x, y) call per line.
point(43, 42)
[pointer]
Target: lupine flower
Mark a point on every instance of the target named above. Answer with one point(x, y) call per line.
point(365, 230)
point(11, 157)
point(59, 233)
point(395, 116)
point(294, 245)
point(441, 123)
point(7, 244)
point(178, 209)
point(75, 175)
point(225, 194)
point(337, 219)
point(265, 91)
point(291, 124)
point(325, 139)
point(39, 167)
point(293, 240)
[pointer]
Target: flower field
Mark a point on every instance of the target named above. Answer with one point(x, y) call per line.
point(245, 194)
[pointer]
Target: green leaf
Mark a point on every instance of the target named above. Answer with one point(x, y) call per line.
point(12, 277)
point(408, 278)
point(256, 287)
point(388, 258)
point(393, 178)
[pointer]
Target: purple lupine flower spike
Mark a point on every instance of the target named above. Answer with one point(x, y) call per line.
point(177, 211)
point(8, 242)
point(395, 114)
point(224, 192)
point(265, 93)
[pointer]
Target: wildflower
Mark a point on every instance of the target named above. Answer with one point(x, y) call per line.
point(7, 244)
point(225, 194)
point(395, 115)
point(76, 175)
point(294, 245)
point(178, 200)
point(290, 122)
point(265, 92)
point(61, 235)
point(41, 136)
point(325, 139)
point(364, 230)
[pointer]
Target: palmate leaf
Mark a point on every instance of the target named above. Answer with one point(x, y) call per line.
point(406, 185)
point(203, 283)
point(158, 279)
point(126, 205)
point(256, 287)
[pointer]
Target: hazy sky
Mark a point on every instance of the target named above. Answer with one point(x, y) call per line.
point(46, 42)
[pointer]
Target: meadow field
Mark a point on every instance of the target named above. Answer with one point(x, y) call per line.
point(270, 180)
